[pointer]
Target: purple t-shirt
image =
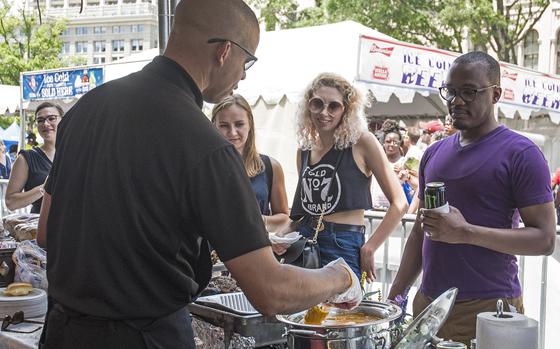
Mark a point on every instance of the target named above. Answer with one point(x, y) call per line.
point(487, 181)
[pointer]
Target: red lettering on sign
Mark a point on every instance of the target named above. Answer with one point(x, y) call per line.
point(381, 73)
point(387, 51)
point(508, 94)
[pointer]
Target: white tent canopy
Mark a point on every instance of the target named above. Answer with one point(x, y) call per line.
point(12, 133)
point(290, 59)
point(9, 99)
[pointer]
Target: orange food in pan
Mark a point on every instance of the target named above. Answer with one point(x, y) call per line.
point(350, 318)
point(315, 315)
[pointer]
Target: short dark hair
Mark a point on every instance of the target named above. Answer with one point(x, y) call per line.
point(391, 126)
point(50, 105)
point(492, 66)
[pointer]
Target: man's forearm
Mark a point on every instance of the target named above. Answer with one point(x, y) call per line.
point(527, 241)
point(311, 287)
point(275, 288)
point(411, 263)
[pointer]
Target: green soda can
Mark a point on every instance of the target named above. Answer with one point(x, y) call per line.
point(434, 195)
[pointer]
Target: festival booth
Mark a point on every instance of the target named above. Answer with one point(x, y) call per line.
point(399, 80)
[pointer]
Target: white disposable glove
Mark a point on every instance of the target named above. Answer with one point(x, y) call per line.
point(352, 297)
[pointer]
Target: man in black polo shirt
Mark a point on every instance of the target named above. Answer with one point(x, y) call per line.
point(142, 181)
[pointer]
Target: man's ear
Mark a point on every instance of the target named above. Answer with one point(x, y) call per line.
point(497, 94)
point(223, 52)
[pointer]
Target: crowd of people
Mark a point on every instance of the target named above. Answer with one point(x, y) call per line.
point(142, 229)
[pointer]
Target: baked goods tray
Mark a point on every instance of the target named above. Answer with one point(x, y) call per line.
point(235, 302)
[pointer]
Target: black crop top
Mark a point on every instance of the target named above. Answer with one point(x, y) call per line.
point(350, 189)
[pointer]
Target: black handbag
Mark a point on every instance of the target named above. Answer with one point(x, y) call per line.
point(305, 252)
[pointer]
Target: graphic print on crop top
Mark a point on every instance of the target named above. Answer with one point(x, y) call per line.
point(315, 185)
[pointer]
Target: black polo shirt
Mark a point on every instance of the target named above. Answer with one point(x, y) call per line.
point(141, 179)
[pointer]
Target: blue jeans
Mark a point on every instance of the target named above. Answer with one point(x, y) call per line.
point(335, 243)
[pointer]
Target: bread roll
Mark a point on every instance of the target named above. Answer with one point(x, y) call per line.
point(29, 221)
point(25, 231)
point(18, 289)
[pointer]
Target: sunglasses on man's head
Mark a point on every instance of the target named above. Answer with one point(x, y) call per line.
point(18, 318)
point(317, 105)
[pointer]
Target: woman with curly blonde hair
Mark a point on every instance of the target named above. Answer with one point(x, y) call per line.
point(234, 119)
point(336, 159)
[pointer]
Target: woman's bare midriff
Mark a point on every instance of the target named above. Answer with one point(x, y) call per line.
point(355, 217)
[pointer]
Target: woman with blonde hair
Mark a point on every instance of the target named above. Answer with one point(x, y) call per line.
point(336, 159)
point(234, 119)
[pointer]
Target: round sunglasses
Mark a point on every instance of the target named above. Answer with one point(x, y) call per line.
point(317, 105)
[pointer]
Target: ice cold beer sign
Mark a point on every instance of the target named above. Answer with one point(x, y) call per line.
point(405, 65)
point(60, 84)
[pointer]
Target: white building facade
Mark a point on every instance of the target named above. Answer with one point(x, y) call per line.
point(106, 30)
point(541, 48)
point(541, 51)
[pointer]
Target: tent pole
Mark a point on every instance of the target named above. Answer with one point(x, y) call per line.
point(172, 5)
point(21, 114)
point(163, 23)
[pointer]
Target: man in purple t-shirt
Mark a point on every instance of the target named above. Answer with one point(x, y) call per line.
point(490, 174)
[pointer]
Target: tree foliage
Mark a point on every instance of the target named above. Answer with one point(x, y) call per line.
point(25, 45)
point(498, 24)
point(6, 121)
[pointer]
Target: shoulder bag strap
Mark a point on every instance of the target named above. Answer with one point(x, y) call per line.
point(320, 225)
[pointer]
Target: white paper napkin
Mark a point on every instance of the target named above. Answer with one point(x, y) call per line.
point(286, 239)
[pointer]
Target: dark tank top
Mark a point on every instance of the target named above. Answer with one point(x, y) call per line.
point(350, 188)
point(262, 186)
point(39, 167)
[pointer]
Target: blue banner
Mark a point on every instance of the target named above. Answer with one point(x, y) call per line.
point(61, 84)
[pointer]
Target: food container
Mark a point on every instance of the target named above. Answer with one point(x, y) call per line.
point(374, 334)
point(234, 314)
